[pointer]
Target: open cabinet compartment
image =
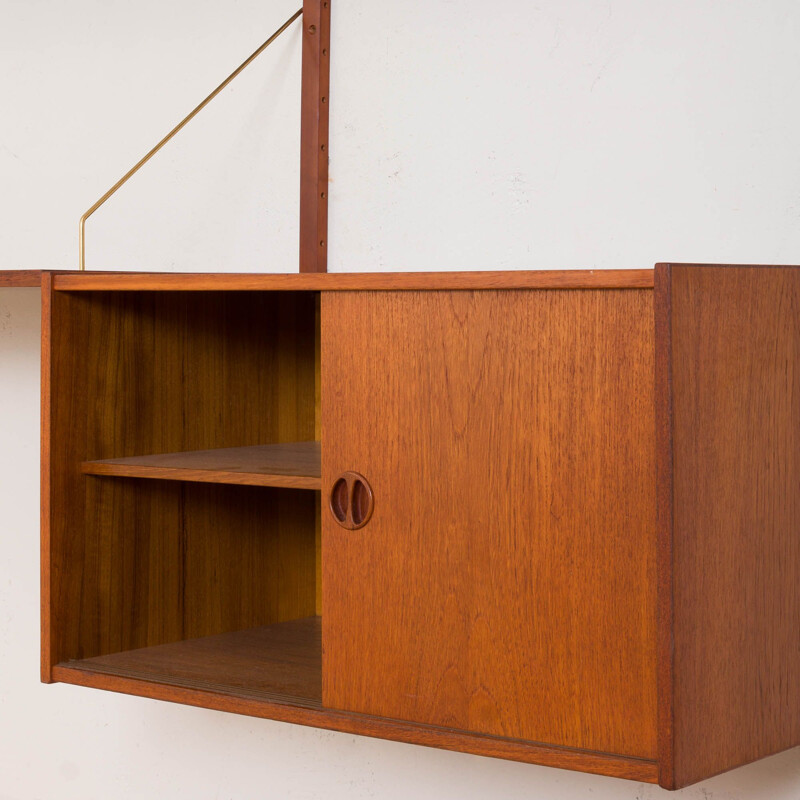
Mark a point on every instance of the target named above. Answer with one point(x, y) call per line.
point(192, 581)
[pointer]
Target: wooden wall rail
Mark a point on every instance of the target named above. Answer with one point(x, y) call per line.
point(314, 105)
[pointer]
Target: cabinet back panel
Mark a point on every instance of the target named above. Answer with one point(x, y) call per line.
point(136, 563)
point(506, 581)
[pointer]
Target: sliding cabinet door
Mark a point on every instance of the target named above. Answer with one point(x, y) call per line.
point(488, 512)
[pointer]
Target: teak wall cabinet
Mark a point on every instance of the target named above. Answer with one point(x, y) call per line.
point(544, 516)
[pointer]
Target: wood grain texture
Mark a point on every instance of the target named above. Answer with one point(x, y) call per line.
point(395, 730)
point(380, 281)
point(278, 663)
point(314, 139)
point(317, 436)
point(506, 581)
point(735, 486)
point(291, 465)
point(33, 277)
point(20, 278)
point(662, 302)
point(137, 563)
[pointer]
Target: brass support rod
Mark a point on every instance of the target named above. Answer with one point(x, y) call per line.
point(178, 127)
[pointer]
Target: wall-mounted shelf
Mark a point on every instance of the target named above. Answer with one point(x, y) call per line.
point(540, 504)
point(20, 278)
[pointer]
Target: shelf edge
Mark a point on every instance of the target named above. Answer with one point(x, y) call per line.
point(358, 281)
point(20, 278)
point(104, 469)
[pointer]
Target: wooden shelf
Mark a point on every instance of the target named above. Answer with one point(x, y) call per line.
point(295, 465)
point(20, 278)
point(358, 281)
point(279, 663)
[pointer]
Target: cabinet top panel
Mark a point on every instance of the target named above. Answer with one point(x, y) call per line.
point(65, 280)
point(409, 281)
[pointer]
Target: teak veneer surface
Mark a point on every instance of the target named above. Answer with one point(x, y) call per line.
point(291, 465)
point(274, 672)
point(20, 278)
point(729, 516)
point(280, 663)
point(133, 563)
point(505, 583)
point(375, 281)
point(502, 599)
point(33, 277)
point(314, 139)
point(396, 730)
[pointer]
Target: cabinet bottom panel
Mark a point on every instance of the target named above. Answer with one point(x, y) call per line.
point(280, 663)
point(274, 672)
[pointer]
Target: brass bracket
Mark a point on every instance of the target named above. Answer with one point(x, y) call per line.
point(139, 164)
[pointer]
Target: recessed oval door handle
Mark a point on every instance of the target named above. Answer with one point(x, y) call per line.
point(351, 501)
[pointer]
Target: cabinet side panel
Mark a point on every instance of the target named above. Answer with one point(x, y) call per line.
point(662, 299)
point(47, 660)
point(64, 415)
point(505, 583)
point(736, 515)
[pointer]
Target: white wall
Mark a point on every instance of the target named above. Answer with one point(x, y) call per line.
point(564, 133)
point(464, 135)
point(89, 86)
